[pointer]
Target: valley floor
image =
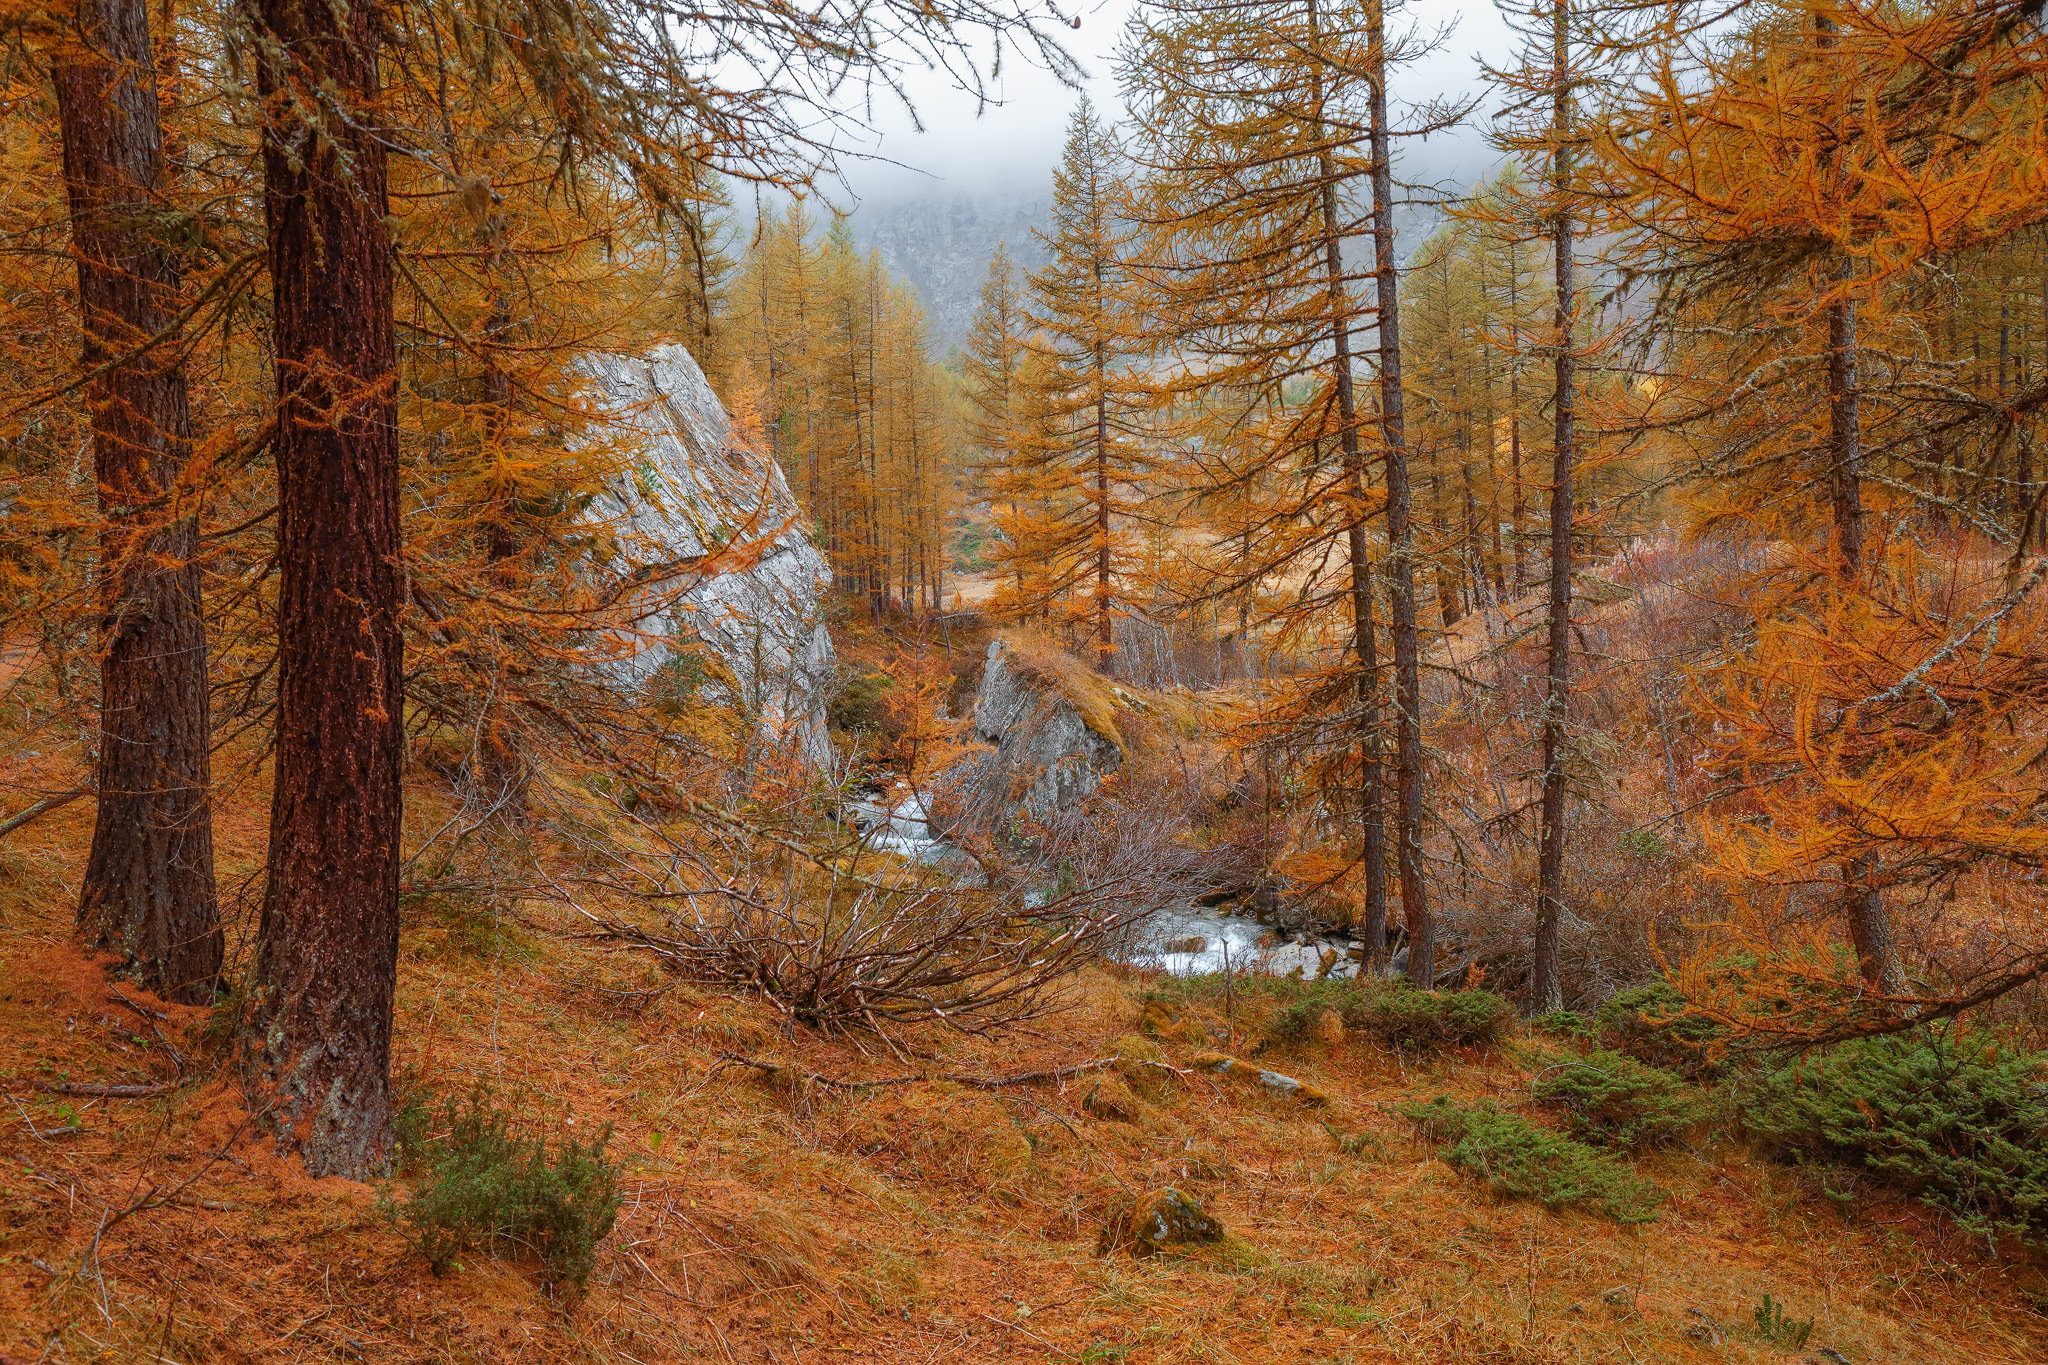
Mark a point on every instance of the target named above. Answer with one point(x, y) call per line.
point(913, 1222)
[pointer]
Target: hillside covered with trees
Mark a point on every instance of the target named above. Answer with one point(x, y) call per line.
point(577, 783)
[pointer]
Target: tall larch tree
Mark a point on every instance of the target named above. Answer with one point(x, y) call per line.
point(148, 890)
point(1401, 538)
point(1089, 481)
point(1249, 124)
point(319, 1025)
point(1540, 125)
point(992, 363)
point(615, 94)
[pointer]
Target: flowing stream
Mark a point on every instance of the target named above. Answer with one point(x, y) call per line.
point(1184, 940)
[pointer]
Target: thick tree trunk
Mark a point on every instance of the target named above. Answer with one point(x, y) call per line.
point(1400, 562)
point(148, 893)
point(318, 1047)
point(1546, 988)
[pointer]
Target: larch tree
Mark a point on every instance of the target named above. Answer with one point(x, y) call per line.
point(1781, 189)
point(993, 362)
point(623, 89)
point(1542, 127)
point(1401, 539)
point(1249, 123)
point(1089, 480)
point(319, 1023)
point(148, 891)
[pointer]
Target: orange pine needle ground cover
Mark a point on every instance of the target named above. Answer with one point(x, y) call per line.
point(925, 1222)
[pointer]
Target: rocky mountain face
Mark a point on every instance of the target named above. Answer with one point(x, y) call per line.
point(942, 243)
point(747, 585)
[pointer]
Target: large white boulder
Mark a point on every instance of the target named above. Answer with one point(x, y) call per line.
point(736, 575)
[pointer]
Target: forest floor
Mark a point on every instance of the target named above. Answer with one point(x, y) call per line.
point(919, 1222)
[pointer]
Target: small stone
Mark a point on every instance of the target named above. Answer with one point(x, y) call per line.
point(1272, 1081)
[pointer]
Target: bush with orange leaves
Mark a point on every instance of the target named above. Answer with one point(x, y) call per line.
point(1884, 740)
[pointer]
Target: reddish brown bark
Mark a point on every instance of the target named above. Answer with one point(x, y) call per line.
point(318, 1048)
point(148, 892)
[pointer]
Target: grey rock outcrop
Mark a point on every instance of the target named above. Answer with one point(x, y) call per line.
point(738, 576)
point(1041, 755)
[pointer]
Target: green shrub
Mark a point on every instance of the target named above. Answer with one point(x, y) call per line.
point(856, 703)
point(475, 1184)
point(1523, 1161)
point(1615, 1101)
point(1400, 1016)
point(1650, 1024)
point(1961, 1121)
point(1564, 1024)
point(1773, 1326)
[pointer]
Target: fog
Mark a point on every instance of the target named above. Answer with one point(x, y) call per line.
point(949, 150)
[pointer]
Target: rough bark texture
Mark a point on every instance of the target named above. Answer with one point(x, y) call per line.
point(148, 894)
point(1400, 537)
point(319, 1043)
point(1546, 987)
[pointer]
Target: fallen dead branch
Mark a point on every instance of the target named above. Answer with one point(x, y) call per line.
point(107, 1092)
point(793, 1077)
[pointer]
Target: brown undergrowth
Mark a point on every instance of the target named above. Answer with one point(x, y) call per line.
point(771, 1219)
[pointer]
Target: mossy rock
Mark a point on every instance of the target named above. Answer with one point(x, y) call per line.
point(1143, 1066)
point(1272, 1082)
point(1162, 1218)
point(1110, 1100)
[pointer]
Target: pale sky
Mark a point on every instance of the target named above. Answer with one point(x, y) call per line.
point(1019, 140)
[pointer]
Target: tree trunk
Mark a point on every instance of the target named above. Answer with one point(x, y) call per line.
point(1869, 921)
point(318, 1046)
point(1400, 564)
point(148, 893)
point(1372, 805)
point(1546, 987)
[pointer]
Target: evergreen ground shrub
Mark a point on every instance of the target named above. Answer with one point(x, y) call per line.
point(1958, 1119)
point(1523, 1161)
point(478, 1186)
point(1613, 1100)
point(1399, 1015)
point(1650, 1024)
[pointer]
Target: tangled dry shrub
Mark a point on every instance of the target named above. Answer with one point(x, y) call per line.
point(841, 934)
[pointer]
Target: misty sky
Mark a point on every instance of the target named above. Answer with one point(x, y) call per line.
point(1018, 141)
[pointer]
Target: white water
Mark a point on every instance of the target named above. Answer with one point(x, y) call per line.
point(896, 821)
point(1235, 942)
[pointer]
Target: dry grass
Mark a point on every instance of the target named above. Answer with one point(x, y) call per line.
point(918, 1223)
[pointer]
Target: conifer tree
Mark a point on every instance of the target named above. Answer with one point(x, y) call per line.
point(1400, 566)
point(993, 363)
point(1542, 126)
point(1252, 124)
point(1087, 482)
